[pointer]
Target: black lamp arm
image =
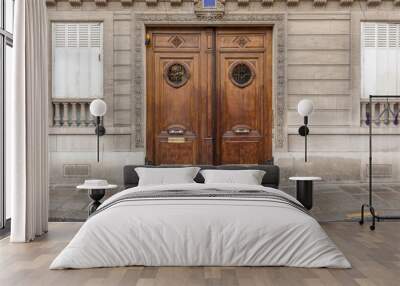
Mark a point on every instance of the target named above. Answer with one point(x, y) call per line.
point(303, 131)
point(99, 131)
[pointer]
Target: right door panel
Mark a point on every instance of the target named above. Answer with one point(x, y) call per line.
point(244, 105)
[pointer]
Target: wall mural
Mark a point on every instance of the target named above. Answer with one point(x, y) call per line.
point(276, 20)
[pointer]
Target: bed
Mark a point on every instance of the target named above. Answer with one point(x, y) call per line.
point(197, 224)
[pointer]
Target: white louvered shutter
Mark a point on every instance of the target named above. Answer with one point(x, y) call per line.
point(77, 60)
point(380, 59)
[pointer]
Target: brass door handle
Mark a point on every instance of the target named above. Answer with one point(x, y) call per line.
point(241, 130)
point(176, 132)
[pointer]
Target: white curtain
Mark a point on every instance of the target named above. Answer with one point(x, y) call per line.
point(26, 116)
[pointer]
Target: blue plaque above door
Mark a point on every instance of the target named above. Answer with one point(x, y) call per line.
point(209, 3)
point(209, 10)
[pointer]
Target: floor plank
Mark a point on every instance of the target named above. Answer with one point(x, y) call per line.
point(375, 257)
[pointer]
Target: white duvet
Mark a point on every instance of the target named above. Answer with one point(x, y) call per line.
point(193, 231)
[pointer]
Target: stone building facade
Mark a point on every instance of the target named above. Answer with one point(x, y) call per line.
point(316, 55)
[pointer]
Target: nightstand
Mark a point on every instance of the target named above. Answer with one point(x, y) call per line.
point(304, 190)
point(96, 191)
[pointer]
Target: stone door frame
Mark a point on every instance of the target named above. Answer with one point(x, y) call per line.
point(277, 21)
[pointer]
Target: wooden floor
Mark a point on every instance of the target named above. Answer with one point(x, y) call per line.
point(375, 257)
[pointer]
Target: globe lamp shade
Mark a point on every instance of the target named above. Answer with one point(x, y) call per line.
point(305, 107)
point(98, 108)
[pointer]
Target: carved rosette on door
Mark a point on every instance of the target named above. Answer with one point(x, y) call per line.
point(241, 74)
point(176, 74)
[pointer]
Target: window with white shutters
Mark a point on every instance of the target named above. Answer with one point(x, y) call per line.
point(380, 59)
point(77, 59)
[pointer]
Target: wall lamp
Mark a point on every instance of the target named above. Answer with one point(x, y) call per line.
point(305, 108)
point(98, 108)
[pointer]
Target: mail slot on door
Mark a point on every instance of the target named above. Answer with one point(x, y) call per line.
point(176, 140)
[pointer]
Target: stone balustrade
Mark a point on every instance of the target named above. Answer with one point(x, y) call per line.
point(385, 113)
point(72, 112)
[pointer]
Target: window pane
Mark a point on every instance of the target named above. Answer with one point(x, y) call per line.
point(9, 9)
point(77, 60)
point(380, 47)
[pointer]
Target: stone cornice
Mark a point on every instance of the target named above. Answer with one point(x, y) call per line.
point(291, 3)
point(320, 3)
point(151, 2)
point(126, 2)
point(75, 2)
point(373, 3)
point(243, 2)
point(346, 2)
point(267, 2)
point(100, 2)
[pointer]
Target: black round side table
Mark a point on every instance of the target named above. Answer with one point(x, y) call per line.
point(96, 195)
point(304, 190)
point(95, 192)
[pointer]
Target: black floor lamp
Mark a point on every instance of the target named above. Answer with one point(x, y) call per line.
point(305, 108)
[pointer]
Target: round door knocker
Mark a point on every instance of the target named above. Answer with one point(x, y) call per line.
point(176, 74)
point(241, 74)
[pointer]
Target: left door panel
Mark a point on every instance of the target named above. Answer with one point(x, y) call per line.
point(174, 96)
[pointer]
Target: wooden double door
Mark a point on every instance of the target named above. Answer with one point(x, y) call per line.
point(209, 96)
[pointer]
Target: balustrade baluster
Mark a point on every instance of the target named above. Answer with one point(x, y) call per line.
point(382, 106)
point(65, 120)
point(385, 114)
point(74, 120)
point(57, 115)
point(91, 120)
point(363, 114)
point(396, 114)
point(82, 118)
point(377, 110)
point(372, 112)
point(391, 116)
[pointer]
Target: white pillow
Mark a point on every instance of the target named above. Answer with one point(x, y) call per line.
point(165, 176)
point(248, 177)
